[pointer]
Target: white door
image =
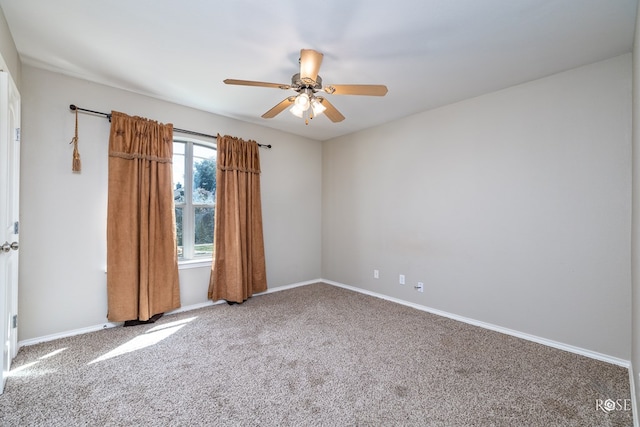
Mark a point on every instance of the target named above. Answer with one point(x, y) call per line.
point(9, 225)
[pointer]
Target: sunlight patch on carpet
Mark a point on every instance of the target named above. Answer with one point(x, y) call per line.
point(147, 339)
point(23, 371)
point(53, 353)
point(17, 371)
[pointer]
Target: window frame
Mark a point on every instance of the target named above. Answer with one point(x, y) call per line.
point(188, 258)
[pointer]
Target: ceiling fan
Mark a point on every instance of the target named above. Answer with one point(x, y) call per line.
point(307, 83)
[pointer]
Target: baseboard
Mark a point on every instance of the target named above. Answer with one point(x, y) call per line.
point(518, 334)
point(634, 399)
point(193, 307)
point(106, 325)
point(268, 291)
point(66, 334)
point(507, 331)
point(291, 286)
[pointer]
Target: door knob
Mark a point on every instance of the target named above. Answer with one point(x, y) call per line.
point(6, 246)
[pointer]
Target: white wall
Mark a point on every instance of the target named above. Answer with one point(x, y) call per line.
point(513, 208)
point(63, 214)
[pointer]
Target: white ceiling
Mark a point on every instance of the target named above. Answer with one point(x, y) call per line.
point(429, 53)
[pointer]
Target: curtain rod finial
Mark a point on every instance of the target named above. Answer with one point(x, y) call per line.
point(72, 107)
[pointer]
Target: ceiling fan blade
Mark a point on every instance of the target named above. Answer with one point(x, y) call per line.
point(331, 112)
point(279, 108)
point(259, 84)
point(310, 62)
point(370, 90)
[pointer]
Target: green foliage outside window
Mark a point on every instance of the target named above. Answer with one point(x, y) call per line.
point(195, 203)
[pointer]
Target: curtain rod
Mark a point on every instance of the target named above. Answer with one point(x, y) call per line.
point(189, 132)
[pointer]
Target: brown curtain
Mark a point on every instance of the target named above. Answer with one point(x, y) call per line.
point(142, 266)
point(238, 270)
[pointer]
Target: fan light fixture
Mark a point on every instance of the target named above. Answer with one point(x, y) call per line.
point(317, 106)
point(302, 101)
point(296, 111)
point(301, 105)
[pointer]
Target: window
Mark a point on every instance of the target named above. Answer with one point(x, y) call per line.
point(194, 193)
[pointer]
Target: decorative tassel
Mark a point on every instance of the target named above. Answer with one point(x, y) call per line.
point(76, 165)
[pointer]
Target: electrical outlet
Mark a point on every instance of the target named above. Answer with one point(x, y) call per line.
point(376, 274)
point(402, 279)
point(420, 287)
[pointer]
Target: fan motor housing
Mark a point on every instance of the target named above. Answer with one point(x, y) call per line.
point(297, 83)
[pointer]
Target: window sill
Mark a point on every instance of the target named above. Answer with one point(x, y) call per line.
point(194, 263)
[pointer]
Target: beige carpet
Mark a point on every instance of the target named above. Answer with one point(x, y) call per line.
point(310, 356)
